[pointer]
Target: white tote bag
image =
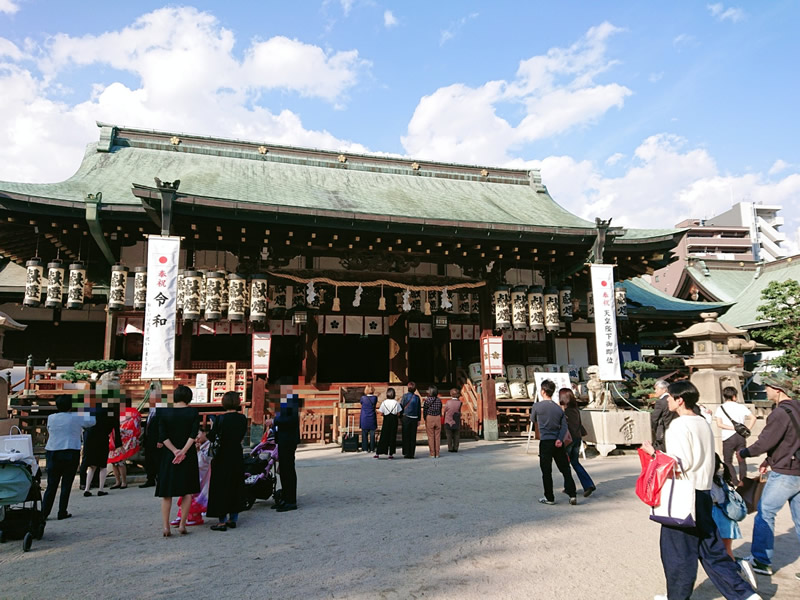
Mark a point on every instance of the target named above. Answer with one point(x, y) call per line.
point(677, 501)
point(20, 443)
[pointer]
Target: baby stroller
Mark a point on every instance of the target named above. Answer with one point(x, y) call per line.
point(20, 503)
point(260, 472)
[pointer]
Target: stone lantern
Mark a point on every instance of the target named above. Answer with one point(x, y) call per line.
point(714, 366)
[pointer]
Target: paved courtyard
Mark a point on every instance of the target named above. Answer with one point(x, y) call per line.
point(467, 525)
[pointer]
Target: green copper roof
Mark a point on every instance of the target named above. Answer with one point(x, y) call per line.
point(644, 299)
point(723, 284)
point(743, 313)
point(357, 186)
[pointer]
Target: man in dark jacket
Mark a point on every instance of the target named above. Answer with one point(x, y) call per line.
point(287, 424)
point(661, 416)
point(781, 442)
point(552, 430)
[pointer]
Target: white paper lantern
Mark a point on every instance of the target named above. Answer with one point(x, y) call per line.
point(225, 298)
point(565, 303)
point(551, 311)
point(77, 280)
point(475, 303)
point(536, 308)
point(277, 293)
point(215, 282)
point(33, 282)
point(117, 287)
point(203, 290)
point(502, 307)
point(180, 291)
point(621, 301)
point(237, 297)
point(55, 285)
point(192, 292)
point(519, 307)
point(139, 288)
point(259, 298)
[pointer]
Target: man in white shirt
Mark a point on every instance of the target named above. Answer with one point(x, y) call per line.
point(689, 439)
point(728, 412)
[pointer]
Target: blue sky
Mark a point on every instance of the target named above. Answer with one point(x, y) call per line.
point(650, 113)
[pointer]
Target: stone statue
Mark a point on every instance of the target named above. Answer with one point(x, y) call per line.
point(599, 398)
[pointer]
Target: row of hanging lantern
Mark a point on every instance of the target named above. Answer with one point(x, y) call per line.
point(544, 308)
point(51, 289)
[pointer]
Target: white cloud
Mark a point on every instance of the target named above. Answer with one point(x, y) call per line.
point(674, 183)
point(188, 80)
point(389, 20)
point(719, 12)
point(556, 91)
point(778, 166)
point(8, 6)
point(452, 30)
point(347, 6)
point(614, 159)
point(684, 39)
point(655, 77)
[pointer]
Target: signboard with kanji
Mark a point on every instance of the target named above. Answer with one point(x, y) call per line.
point(605, 323)
point(158, 352)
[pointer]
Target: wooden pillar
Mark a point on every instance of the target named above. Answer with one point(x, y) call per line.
point(441, 355)
point(490, 428)
point(310, 365)
point(110, 339)
point(186, 345)
point(257, 407)
point(398, 349)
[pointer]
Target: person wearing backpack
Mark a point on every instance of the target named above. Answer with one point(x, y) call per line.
point(728, 509)
point(780, 440)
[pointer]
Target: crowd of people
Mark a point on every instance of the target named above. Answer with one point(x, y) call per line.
point(204, 468)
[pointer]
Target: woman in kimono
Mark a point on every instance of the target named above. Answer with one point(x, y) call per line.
point(130, 427)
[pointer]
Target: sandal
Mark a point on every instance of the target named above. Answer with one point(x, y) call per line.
point(219, 527)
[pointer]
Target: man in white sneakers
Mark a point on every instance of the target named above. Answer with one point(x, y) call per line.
point(689, 439)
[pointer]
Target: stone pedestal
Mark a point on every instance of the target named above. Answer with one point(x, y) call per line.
point(490, 431)
point(607, 429)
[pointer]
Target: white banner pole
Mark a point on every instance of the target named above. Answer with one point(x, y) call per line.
point(158, 354)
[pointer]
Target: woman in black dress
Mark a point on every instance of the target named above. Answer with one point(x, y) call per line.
point(226, 490)
point(95, 445)
point(178, 474)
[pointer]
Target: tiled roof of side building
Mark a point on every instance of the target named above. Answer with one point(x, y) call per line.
point(643, 298)
point(725, 284)
point(350, 184)
point(744, 312)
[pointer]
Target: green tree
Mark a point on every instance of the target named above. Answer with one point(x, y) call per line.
point(637, 385)
point(781, 311)
point(96, 367)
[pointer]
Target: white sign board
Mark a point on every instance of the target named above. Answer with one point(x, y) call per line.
point(262, 346)
point(605, 323)
point(560, 379)
point(201, 388)
point(158, 354)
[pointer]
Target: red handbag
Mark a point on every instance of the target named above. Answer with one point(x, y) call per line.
point(655, 471)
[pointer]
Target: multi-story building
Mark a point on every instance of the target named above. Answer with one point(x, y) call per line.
point(746, 234)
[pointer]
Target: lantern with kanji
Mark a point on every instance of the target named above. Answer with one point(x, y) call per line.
point(621, 301)
point(551, 310)
point(519, 307)
point(259, 298)
point(237, 297)
point(77, 281)
point(180, 291)
point(117, 287)
point(139, 288)
point(55, 284)
point(536, 308)
point(192, 291)
point(33, 282)
point(215, 281)
point(565, 303)
point(502, 307)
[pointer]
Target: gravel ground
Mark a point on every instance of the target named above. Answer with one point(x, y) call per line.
point(467, 525)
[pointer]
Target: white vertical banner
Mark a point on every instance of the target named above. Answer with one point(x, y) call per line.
point(605, 323)
point(158, 354)
point(262, 347)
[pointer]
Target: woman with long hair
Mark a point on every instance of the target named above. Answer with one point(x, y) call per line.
point(570, 405)
point(226, 491)
point(179, 474)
